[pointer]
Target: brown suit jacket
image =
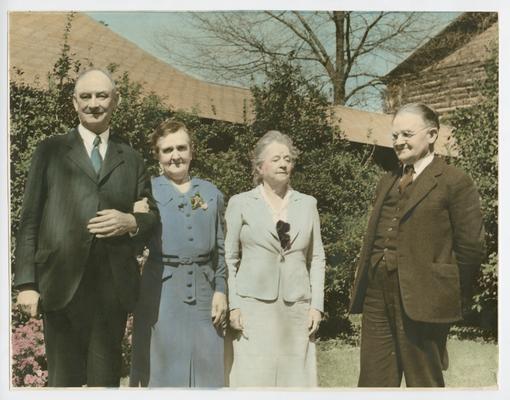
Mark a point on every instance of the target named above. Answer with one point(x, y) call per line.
point(439, 244)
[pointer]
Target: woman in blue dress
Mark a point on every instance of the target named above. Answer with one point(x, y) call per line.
point(180, 317)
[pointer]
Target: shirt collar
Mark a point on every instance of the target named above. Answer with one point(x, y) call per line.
point(89, 136)
point(421, 164)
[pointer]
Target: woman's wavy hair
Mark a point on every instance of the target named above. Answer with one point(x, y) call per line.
point(258, 152)
point(165, 128)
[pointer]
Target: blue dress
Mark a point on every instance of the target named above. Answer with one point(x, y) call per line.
point(174, 341)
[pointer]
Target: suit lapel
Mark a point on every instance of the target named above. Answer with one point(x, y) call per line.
point(294, 215)
point(113, 158)
point(424, 184)
point(261, 209)
point(78, 155)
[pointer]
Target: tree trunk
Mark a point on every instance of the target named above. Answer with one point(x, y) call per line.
point(338, 80)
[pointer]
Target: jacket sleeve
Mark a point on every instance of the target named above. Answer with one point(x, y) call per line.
point(318, 262)
point(468, 233)
point(233, 222)
point(220, 272)
point(145, 222)
point(31, 212)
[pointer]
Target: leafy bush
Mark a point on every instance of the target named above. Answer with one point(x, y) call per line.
point(476, 133)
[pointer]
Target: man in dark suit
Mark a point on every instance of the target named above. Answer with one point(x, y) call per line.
point(76, 246)
point(420, 255)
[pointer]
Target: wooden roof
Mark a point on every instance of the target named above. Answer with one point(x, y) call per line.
point(375, 128)
point(36, 39)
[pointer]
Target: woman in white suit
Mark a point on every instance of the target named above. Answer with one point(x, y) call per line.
point(275, 260)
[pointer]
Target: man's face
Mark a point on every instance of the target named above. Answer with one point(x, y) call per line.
point(174, 154)
point(95, 100)
point(412, 138)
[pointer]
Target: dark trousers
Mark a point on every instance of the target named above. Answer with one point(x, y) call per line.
point(83, 340)
point(393, 345)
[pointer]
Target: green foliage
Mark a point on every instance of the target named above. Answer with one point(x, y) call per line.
point(476, 133)
point(340, 175)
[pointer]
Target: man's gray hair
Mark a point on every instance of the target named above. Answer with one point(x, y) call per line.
point(429, 116)
point(103, 71)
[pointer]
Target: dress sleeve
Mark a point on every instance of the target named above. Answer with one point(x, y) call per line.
point(317, 263)
point(220, 272)
point(233, 221)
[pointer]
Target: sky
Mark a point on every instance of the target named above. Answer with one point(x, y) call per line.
point(142, 28)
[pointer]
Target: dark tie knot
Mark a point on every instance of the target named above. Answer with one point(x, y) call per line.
point(407, 178)
point(97, 141)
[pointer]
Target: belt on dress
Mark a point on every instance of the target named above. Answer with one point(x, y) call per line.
point(175, 260)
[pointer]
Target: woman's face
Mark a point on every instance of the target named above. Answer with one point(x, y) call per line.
point(277, 164)
point(174, 154)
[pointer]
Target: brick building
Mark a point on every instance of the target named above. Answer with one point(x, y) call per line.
point(445, 72)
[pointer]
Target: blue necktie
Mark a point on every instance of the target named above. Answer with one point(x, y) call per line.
point(95, 156)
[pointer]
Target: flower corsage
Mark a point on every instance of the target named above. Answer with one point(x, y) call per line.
point(198, 202)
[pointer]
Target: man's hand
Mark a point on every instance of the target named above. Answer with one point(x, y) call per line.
point(141, 206)
point(111, 223)
point(314, 319)
point(219, 310)
point(27, 302)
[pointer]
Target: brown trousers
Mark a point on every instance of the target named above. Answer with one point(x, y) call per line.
point(393, 345)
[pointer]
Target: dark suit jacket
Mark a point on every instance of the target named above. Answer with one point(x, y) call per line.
point(439, 245)
point(62, 194)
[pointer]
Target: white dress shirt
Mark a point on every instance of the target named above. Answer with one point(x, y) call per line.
point(421, 164)
point(88, 140)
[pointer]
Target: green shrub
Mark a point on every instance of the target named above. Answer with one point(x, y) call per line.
point(476, 134)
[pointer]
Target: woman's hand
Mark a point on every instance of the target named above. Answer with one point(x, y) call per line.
point(219, 310)
point(141, 206)
point(314, 319)
point(236, 321)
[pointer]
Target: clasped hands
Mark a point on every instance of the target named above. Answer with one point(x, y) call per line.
point(109, 223)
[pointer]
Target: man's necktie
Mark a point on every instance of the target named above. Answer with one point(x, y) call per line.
point(406, 179)
point(95, 156)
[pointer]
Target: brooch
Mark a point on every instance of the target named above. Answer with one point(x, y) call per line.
point(198, 202)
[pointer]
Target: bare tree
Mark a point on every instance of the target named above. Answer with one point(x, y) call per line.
point(347, 51)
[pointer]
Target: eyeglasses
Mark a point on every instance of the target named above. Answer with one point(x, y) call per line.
point(407, 134)
point(282, 229)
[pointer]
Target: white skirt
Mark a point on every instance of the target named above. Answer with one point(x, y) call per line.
point(274, 349)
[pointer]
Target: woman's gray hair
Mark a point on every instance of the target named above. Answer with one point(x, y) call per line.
point(268, 138)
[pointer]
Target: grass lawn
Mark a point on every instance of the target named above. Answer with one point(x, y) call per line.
point(472, 364)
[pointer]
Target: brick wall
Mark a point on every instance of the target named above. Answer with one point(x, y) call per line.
point(447, 83)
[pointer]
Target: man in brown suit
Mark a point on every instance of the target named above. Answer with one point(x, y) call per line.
point(419, 259)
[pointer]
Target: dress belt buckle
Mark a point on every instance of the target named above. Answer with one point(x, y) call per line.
point(185, 260)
